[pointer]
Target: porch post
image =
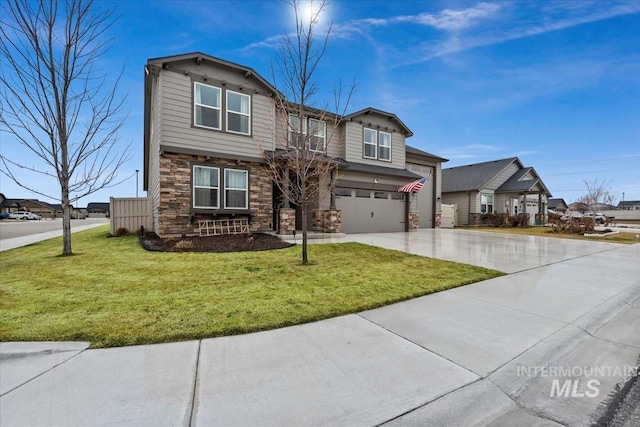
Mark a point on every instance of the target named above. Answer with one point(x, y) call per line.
point(286, 185)
point(332, 202)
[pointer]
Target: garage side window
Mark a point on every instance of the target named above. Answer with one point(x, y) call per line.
point(342, 192)
point(486, 203)
point(206, 187)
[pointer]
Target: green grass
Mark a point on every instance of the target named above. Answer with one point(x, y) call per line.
point(626, 238)
point(114, 293)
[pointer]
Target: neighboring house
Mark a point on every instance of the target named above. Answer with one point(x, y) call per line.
point(98, 210)
point(558, 205)
point(629, 205)
point(209, 124)
point(9, 205)
point(499, 186)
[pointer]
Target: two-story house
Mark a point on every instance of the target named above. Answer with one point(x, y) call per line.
point(209, 125)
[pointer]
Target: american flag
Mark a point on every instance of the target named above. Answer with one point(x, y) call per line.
point(415, 186)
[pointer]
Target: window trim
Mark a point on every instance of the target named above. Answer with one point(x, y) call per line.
point(193, 186)
point(246, 191)
point(306, 137)
point(485, 197)
point(324, 134)
point(380, 146)
point(365, 143)
point(196, 104)
point(227, 111)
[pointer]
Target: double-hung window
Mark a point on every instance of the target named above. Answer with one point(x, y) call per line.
point(207, 106)
point(297, 131)
point(206, 186)
point(385, 146)
point(370, 143)
point(236, 189)
point(317, 135)
point(486, 203)
point(307, 132)
point(238, 113)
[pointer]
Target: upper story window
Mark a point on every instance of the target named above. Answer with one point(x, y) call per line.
point(377, 145)
point(206, 186)
point(384, 140)
point(238, 113)
point(309, 132)
point(208, 104)
point(370, 143)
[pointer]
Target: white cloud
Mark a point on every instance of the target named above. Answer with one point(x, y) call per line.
point(452, 20)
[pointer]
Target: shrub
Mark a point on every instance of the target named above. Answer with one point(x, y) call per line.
point(183, 245)
point(121, 231)
point(499, 219)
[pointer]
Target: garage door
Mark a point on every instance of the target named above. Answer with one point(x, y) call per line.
point(367, 211)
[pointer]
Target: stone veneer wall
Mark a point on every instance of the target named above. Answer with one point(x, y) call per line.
point(175, 216)
point(438, 220)
point(327, 220)
point(287, 221)
point(414, 220)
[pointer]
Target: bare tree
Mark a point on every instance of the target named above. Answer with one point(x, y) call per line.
point(56, 101)
point(597, 197)
point(302, 163)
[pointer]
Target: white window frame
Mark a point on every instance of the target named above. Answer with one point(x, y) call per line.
point(380, 133)
point(246, 190)
point(321, 125)
point(484, 200)
point(228, 111)
point(217, 206)
point(295, 130)
point(196, 104)
point(374, 143)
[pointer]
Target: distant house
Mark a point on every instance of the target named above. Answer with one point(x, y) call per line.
point(558, 205)
point(499, 186)
point(629, 205)
point(9, 205)
point(98, 210)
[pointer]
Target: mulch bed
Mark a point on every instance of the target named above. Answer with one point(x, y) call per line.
point(224, 243)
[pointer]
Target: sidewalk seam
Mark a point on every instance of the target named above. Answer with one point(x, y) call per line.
point(42, 373)
point(195, 385)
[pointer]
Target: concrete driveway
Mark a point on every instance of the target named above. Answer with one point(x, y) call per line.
point(544, 345)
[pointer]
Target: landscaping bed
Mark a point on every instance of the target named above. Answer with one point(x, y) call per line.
point(222, 243)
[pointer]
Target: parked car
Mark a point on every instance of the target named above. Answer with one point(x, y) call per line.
point(4, 215)
point(20, 215)
point(598, 217)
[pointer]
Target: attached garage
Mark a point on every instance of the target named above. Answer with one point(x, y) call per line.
point(371, 211)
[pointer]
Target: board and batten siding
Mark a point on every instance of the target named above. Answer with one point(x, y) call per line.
point(502, 177)
point(178, 130)
point(354, 146)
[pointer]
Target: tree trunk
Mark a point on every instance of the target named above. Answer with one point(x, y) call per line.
point(66, 221)
point(305, 258)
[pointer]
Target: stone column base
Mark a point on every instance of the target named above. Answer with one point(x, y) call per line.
point(287, 223)
point(438, 220)
point(414, 220)
point(327, 220)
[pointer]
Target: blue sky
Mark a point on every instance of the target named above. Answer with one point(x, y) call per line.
point(555, 83)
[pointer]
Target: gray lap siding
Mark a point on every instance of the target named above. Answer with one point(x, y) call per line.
point(175, 212)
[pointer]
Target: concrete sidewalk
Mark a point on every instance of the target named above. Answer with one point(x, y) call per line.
point(16, 242)
point(490, 353)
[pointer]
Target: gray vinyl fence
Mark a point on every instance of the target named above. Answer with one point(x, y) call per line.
point(130, 213)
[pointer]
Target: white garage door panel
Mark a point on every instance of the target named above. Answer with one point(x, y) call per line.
point(371, 215)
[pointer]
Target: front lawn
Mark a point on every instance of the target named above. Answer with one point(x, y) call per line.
point(626, 238)
point(114, 293)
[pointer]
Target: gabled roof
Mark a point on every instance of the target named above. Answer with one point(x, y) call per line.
point(628, 203)
point(417, 152)
point(98, 206)
point(381, 113)
point(199, 57)
point(554, 203)
point(516, 183)
point(11, 203)
point(473, 177)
